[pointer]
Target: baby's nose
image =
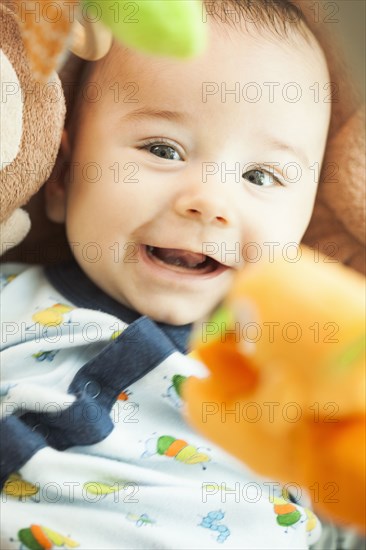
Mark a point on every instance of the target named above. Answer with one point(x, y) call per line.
point(204, 206)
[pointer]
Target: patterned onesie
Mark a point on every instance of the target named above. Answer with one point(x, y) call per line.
point(95, 450)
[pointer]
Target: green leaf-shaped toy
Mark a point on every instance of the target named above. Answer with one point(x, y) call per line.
point(161, 27)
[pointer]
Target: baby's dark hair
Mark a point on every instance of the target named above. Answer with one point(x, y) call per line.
point(278, 16)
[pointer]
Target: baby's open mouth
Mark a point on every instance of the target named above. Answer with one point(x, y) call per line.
point(182, 260)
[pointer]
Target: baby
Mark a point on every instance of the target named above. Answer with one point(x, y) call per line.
point(178, 174)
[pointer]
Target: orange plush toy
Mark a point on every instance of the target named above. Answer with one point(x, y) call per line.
point(295, 377)
point(287, 387)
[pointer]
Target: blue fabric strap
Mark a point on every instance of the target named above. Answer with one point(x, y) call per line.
point(96, 386)
point(13, 452)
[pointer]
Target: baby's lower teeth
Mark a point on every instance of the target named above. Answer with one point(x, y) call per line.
point(179, 263)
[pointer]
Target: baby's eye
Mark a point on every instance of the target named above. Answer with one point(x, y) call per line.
point(261, 178)
point(164, 152)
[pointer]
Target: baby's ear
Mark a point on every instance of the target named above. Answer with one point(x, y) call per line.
point(55, 187)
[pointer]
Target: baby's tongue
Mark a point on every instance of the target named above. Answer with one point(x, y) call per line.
point(178, 257)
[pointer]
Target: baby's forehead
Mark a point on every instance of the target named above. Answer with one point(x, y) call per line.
point(119, 65)
point(223, 82)
point(123, 65)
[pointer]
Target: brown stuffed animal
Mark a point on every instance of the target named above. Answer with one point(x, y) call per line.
point(338, 224)
point(32, 117)
point(32, 48)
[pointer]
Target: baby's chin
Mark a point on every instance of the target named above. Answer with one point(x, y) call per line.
point(169, 317)
point(174, 312)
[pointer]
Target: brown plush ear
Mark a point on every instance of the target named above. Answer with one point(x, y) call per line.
point(46, 242)
point(338, 224)
point(34, 114)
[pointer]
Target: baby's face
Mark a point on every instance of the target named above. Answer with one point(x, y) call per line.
point(185, 171)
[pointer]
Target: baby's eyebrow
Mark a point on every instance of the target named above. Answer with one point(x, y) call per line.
point(279, 145)
point(147, 112)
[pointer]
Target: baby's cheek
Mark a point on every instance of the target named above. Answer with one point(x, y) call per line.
point(213, 298)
